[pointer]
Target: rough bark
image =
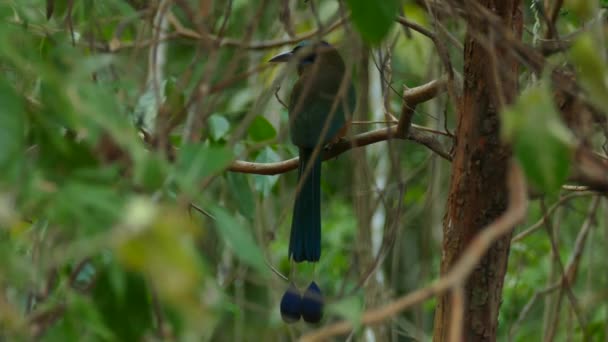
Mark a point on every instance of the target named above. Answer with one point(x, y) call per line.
point(478, 183)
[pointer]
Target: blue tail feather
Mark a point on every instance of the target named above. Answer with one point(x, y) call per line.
point(305, 239)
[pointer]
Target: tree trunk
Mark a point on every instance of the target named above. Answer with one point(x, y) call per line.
point(478, 193)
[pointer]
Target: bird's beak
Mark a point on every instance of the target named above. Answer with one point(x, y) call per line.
point(282, 57)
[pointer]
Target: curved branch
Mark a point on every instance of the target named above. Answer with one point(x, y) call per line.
point(414, 96)
point(403, 130)
point(342, 146)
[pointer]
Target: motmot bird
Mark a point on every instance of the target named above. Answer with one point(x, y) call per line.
point(319, 102)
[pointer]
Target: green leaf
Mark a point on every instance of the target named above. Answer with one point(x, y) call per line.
point(218, 126)
point(540, 140)
point(146, 109)
point(56, 8)
point(591, 69)
point(239, 238)
point(240, 190)
point(175, 103)
point(80, 315)
point(264, 184)
point(97, 109)
point(11, 123)
point(88, 206)
point(197, 161)
point(373, 19)
point(261, 130)
point(150, 172)
point(133, 302)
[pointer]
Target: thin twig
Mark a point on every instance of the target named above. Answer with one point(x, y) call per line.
point(539, 223)
point(571, 268)
point(409, 24)
point(524, 312)
point(565, 285)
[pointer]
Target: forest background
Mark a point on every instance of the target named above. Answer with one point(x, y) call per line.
point(146, 186)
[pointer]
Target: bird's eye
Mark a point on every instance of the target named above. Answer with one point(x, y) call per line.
point(307, 52)
point(309, 59)
point(303, 57)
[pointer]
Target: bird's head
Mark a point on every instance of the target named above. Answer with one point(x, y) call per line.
point(307, 53)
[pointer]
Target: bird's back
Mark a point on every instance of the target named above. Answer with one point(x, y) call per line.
point(314, 101)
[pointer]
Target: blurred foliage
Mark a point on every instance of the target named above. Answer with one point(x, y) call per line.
point(98, 237)
point(373, 20)
point(540, 140)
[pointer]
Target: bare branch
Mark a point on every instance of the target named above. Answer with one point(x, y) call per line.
point(409, 24)
point(411, 97)
point(414, 96)
point(359, 140)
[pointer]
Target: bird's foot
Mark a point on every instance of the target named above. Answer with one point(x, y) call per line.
point(308, 306)
point(312, 304)
point(291, 304)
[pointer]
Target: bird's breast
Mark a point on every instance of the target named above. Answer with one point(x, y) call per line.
point(316, 119)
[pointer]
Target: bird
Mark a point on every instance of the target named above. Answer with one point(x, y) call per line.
point(319, 103)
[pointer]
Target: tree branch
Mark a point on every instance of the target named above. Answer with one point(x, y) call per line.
point(411, 98)
point(342, 146)
point(418, 28)
point(414, 96)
